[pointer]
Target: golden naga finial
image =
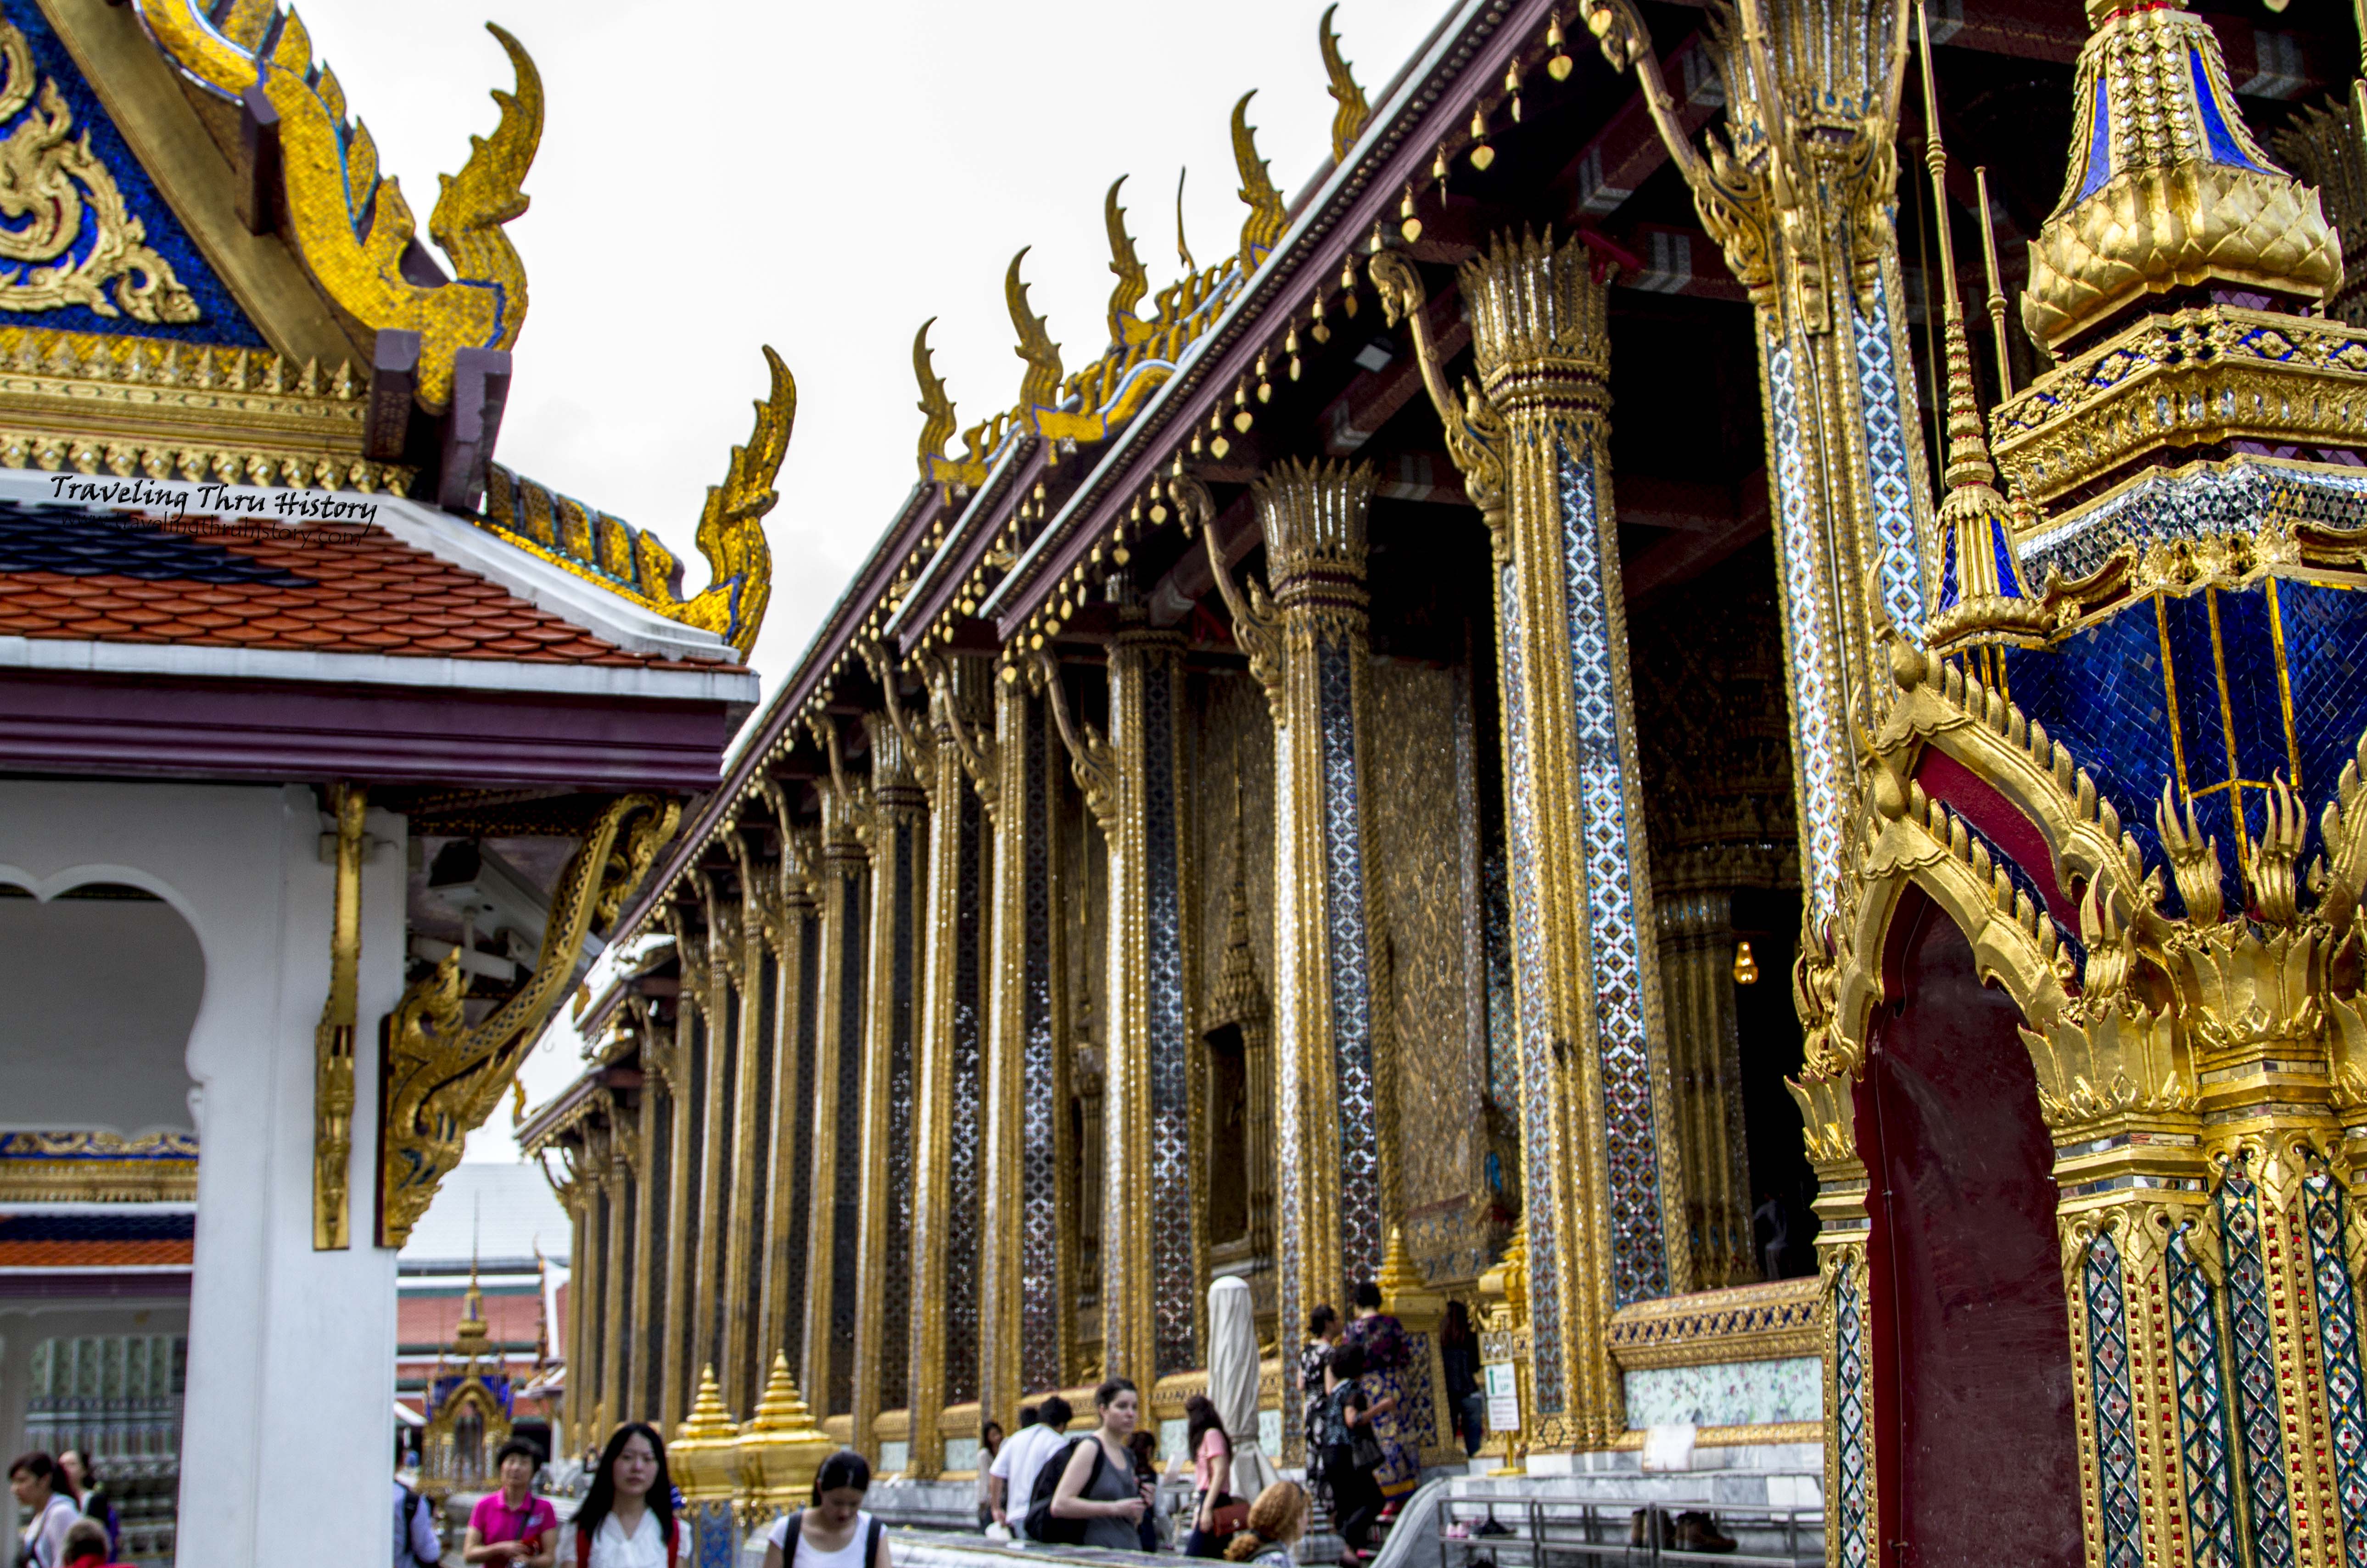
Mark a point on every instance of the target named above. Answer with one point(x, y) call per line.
point(350, 228)
point(1265, 225)
point(731, 530)
point(1349, 123)
point(1041, 387)
point(936, 406)
point(1133, 279)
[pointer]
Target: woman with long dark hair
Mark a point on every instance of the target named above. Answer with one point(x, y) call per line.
point(626, 1519)
point(1210, 1448)
point(832, 1531)
point(52, 1505)
point(1098, 1485)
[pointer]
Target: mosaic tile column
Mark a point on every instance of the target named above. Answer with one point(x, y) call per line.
point(900, 840)
point(1335, 1188)
point(950, 1110)
point(748, 1108)
point(1603, 1183)
point(1151, 1240)
point(725, 973)
point(793, 938)
point(830, 1293)
point(1026, 1266)
point(615, 1354)
point(1698, 954)
point(648, 1302)
point(686, 1079)
point(575, 1193)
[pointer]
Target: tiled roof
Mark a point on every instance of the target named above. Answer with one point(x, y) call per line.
point(431, 1319)
point(73, 575)
point(97, 1240)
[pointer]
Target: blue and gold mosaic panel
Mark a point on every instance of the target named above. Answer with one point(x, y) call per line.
point(1898, 559)
point(1174, 1287)
point(2202, 1443)
point(2118, 1511)
point(1357, 1100)
point(1812, 642)
point(1039, 1108)
point(2336, 1301)
point(2260, 1429)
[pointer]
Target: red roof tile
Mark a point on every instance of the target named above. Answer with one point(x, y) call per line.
point(94, 1254)
point(364, 592)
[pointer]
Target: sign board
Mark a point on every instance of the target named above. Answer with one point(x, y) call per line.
point(1503, 1391)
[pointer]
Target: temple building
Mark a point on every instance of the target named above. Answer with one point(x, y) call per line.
point(333, 749)
point(1729, 611)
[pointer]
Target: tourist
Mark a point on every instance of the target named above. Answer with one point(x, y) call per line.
point(1016, 1466)
point(1099, 1486)
point(95, 1503)
point(513, 1527)
point(626, 1519)
point(86, 1545)
point(1277, 1520)
point(1322, 1334)
point(416, 1541)
point(1351, 1450)
point(1388, 1353)
point(832, 1531)
point(46, 1495)
point(1458, 1359)
point(1210, 1449)
point(989, 1443)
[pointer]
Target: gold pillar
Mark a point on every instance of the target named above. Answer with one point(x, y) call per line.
point(1153, 1244)
point(838, 1094)
point(1335, 1196)
point(685, 1072)
point(574, 1191)
point(615, 1325)
point(1026, 1257)
point(793, 937)
point(740, 1102)
point(944, 1313)
point(646, 1298)
point(899, 827)
point(1806, 225)
point(1604, 1196)
point(718, 1042)
point(1697, 956)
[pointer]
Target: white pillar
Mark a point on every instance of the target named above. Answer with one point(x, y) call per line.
point(291, 1351)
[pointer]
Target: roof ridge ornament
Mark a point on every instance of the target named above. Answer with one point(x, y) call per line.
point(1263, 227)
point(1039, 388)
point(1126, 328)
point(352, 231)
point(1349, 123)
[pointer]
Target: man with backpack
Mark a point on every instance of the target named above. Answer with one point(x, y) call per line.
point(414, 1529)
point(1024, 1455)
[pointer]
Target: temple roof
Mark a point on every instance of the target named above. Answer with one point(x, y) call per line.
point(97, 1240)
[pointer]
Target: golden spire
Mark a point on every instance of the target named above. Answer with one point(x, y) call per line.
point(936, 404)
point(708, 1419)
point(2166, 188)
point(1133, 279)
point(780, 1409)
point(1982, 596)
point(1349, 123)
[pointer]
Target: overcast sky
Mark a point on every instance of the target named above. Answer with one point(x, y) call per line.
point(824, 178)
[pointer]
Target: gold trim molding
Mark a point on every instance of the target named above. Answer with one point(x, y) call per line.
point(1773, 1322)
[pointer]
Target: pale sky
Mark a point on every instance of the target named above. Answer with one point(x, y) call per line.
point(824, 178)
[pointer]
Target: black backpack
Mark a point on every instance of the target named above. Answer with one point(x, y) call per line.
point(1041, 1524)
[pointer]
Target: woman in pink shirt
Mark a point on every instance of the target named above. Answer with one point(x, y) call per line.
point(1211, 1447)
point(513, 1527)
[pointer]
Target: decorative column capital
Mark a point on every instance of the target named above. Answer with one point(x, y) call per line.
point(1540, 324)
point(1313, 516)
point(895, 783)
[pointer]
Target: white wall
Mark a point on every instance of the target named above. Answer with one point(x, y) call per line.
point(95, 1032)
point(292, 1352)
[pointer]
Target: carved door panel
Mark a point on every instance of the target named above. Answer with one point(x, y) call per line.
point(1976, 1447)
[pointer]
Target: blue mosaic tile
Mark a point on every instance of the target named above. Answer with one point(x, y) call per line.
point(1040, 1109)
point(1358, 1102)
point(75, 543)
point(2259, 1425)
point(2115, 1407)
point(1174, 1281)
point(2338, 1337)
point(2203, 1440)
point(1854, 1496)
point(219, 321)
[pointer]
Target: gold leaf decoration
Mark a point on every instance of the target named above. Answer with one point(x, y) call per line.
point(53, 183)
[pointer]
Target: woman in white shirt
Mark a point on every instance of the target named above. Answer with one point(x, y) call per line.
point(626, 1519)
point(834, 1532)
point(42, 1488)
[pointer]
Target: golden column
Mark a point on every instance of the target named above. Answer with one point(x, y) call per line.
point(744, 1111)
point(1603, 1185)
point(793, 937)
point(646, 1302)
point(831, 1294)
point(575, 1192)
point(1335, 1193)
point(1697, 979)
point(947, 1144)
point(617, 1323)
point(716, 1043)
point(899, 827)
point(1803, 216)
point(1152, 1234)
point(685, 1072)
point(1026, 1262)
